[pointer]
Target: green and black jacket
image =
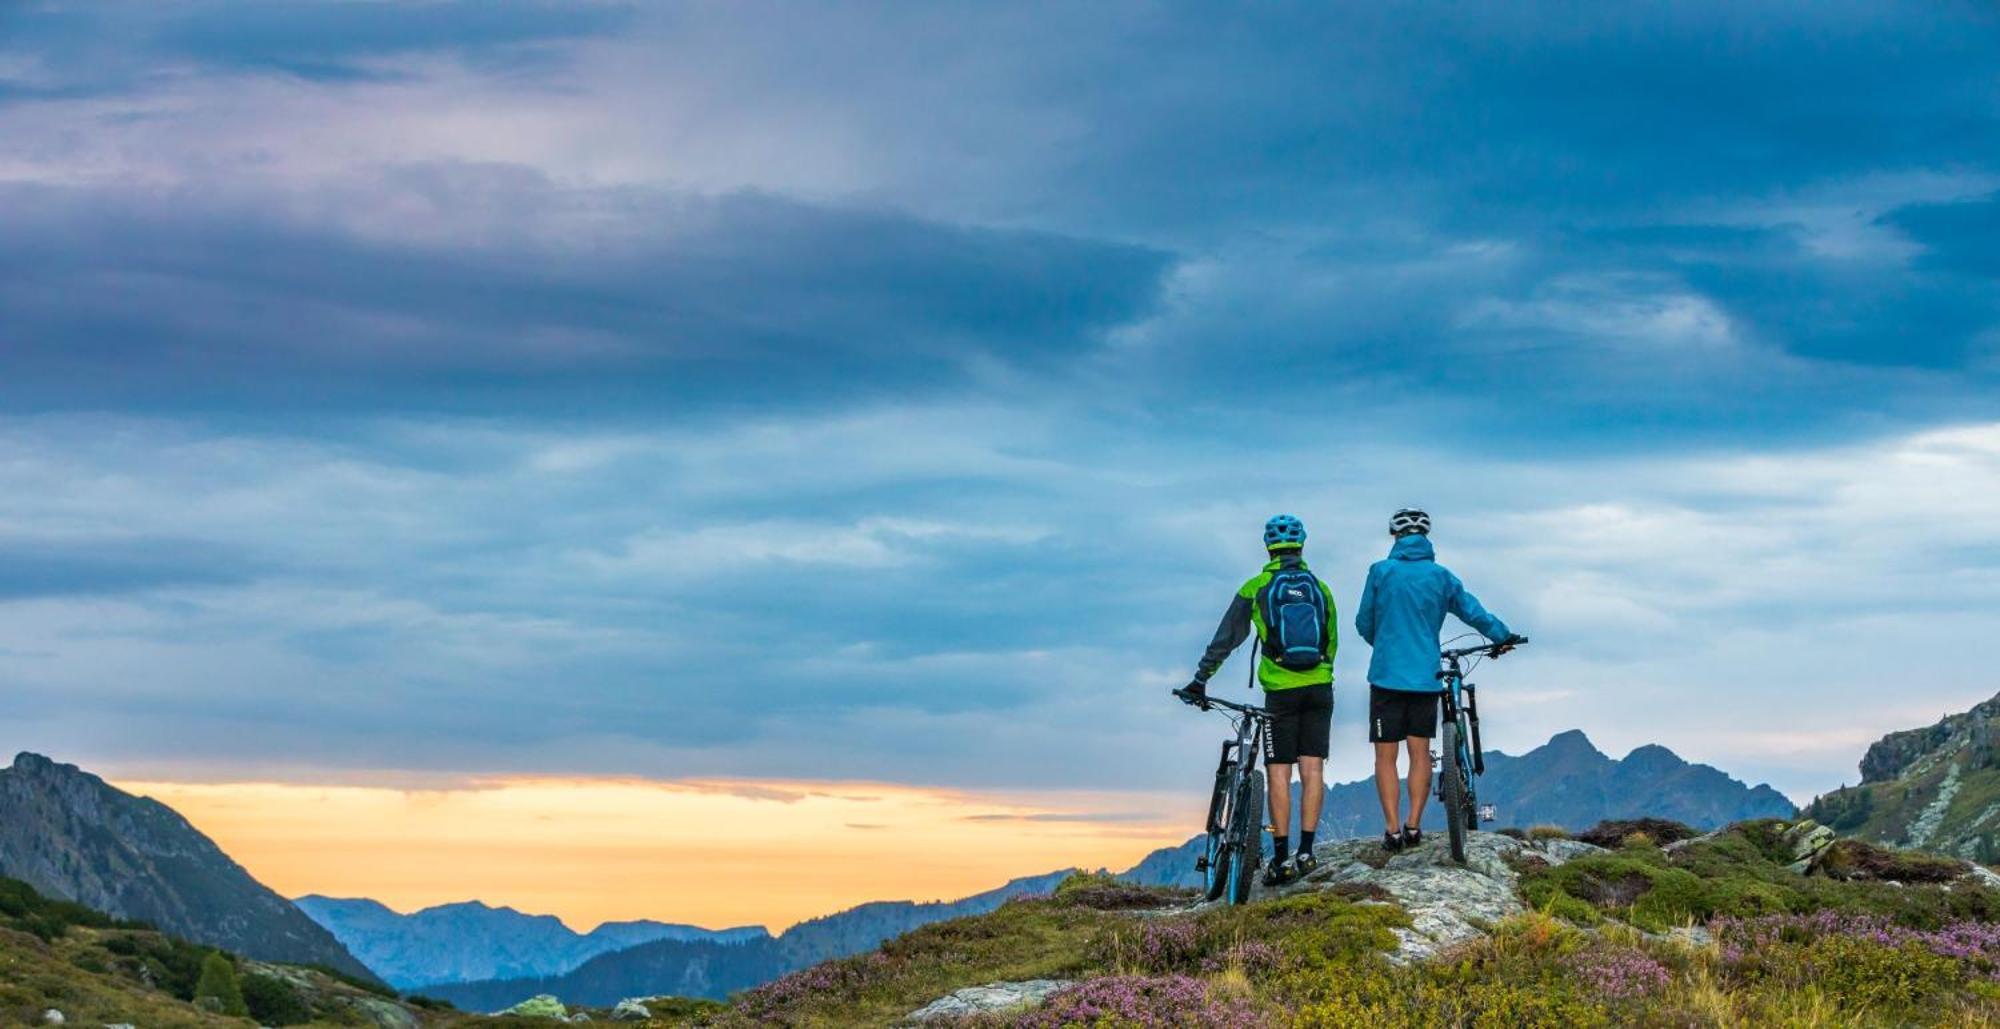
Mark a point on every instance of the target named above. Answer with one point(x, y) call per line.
point(1245, 614)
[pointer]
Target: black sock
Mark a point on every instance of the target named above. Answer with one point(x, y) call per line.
point(1306, 840)
point(1281, 848)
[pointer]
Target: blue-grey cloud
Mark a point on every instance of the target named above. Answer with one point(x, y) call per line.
point(839, 391)
point(756, 295)
point(51, 568)
point(102, 48)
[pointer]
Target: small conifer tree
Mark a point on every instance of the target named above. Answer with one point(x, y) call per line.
point(218, 986)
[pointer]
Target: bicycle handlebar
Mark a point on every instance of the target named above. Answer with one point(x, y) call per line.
point(1488, 649)
point(1254, 712)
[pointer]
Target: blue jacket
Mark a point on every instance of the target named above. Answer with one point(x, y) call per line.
point(1403, 608)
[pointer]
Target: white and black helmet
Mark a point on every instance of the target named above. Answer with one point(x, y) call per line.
point(1409, 522)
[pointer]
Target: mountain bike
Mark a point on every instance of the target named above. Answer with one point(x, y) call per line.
point(1463, 758)
point(1235, 846)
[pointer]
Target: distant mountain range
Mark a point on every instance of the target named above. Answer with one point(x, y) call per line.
point(70, 835)
point(1936, 788)
point(705, 968)
point(467, 942)
point(1566, 782)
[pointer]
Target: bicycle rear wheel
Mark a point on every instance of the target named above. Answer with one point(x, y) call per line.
point(1246, 837)
point(1215, 857)
point(1454, 788)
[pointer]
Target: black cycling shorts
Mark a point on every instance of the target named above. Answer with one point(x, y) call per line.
point(1397, 715)
point(1301, 723)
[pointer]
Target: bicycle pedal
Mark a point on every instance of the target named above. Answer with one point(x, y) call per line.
point(1201, 864)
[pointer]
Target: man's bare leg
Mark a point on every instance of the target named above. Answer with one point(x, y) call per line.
point(1388, 785)
point(1420, 779)
point(1278, 779)
point(1312, 791)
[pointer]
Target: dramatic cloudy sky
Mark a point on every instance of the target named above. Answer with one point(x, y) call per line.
point(502, 392)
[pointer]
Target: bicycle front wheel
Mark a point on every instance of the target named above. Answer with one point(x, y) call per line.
point(1454, 787)
point(1246, 837)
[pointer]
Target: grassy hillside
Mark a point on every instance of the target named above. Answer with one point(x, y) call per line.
point(99, 971)
point(1711, 931)
point(1714, 931)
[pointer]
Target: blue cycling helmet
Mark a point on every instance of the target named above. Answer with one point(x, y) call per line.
point(1284, 532)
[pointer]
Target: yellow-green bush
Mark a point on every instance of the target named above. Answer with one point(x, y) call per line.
point(1862, 974)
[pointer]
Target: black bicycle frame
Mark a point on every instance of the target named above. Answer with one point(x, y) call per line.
point(1461, 695)
point(1246, 746)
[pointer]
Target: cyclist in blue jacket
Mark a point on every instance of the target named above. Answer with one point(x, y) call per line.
point(1402, 610)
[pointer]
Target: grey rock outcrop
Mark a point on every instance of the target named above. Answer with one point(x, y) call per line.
point(990, 999)
point(1448, 902)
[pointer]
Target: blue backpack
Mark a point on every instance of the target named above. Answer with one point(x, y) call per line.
point(1294, 610)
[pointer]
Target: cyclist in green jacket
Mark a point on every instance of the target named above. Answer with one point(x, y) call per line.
point(1292, 613)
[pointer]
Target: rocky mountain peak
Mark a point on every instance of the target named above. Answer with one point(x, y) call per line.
point(1913, 751)
point(26, 762)
point(69, 834)
point(1571, 740)
point(1653, 759)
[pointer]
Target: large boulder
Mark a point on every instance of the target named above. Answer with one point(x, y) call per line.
point(539, 1006)
point(1808, 841)
point(629, 1010)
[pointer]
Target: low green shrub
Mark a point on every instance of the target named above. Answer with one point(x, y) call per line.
point(1426, 997)
point(1107, 893)
point(1741, 872)
point(1314, 932)
point(167, 963)
point(1613, 833)
point(273, 1001)
point(1637, 841)
point(25, 910)
point(1861, 974)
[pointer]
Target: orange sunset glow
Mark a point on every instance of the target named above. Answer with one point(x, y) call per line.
point(710, 853)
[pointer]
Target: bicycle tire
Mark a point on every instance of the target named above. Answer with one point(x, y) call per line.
point(1215, 871)
point(1468, 727)
point(1246, 838)
point(1452, 788)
